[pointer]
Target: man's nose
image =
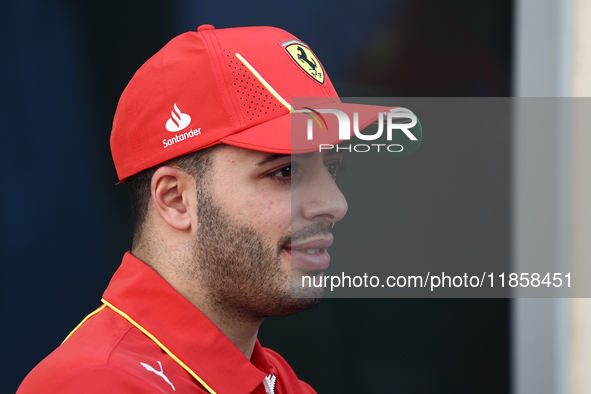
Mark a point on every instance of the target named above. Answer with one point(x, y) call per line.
point(321, 198)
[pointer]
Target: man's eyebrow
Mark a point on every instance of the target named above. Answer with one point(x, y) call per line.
point(330, 152)
point(276, 156)
point(271, 158)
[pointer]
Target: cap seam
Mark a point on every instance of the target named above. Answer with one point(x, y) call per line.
point(223, 140)
point(134, 132)
point(231, 110)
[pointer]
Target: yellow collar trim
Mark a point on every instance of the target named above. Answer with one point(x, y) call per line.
point(149, 335)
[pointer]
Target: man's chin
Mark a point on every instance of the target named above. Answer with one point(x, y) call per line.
point(298, 304)
point(307, 285)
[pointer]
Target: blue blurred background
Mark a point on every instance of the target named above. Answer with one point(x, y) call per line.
point(66, 224)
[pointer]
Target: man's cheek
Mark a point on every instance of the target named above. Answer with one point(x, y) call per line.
point(263, 213)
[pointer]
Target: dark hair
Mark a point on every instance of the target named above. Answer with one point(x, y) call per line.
point(196, 164)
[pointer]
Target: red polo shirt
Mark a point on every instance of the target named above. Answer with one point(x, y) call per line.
point(147, 338)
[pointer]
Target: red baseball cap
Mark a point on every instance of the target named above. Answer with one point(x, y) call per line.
point(231, 86)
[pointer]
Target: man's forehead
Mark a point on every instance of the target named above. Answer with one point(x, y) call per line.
point(270, 157)
point(260, 159)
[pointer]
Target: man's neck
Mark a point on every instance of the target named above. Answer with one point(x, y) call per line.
point(240, 329)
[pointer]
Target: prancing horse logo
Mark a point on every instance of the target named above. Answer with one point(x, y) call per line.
point(304, 58)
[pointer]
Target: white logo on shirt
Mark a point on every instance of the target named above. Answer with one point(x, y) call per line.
point(159, 373)
point(269, 383)
point(178, 121)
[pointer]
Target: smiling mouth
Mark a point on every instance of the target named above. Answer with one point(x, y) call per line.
point(308, 251)
point(310, 255)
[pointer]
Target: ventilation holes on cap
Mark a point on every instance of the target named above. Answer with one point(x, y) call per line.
point(257, 102)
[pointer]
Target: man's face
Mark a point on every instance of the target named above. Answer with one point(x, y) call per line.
point(263, 221)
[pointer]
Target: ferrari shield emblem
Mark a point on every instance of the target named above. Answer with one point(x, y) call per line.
point(304, 58)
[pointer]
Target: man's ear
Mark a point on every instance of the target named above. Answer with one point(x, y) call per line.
point(172, 189)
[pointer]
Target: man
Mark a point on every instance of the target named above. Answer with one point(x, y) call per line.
point(202, 137)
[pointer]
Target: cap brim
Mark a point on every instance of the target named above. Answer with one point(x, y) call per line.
point(288, 134)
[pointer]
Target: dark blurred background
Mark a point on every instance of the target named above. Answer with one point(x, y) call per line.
point(66, 224)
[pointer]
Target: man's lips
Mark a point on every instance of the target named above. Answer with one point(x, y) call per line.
point(311, 255)
point(314, 244)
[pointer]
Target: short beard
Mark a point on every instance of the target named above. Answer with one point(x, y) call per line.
point(240, 271)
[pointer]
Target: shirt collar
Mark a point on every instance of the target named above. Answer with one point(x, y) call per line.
point(150, 301)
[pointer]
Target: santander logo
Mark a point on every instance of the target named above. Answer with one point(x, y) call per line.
point(178, 121)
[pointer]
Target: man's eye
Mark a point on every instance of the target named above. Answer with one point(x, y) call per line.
point(334, 169)
point(282, 174)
